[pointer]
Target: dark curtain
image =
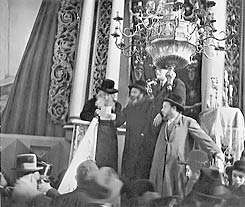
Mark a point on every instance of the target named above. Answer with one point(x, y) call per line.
point(26, 109)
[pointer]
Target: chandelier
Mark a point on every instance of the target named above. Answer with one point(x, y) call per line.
point(170, 31)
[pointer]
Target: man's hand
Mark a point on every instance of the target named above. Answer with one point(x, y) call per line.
point(157, 120)
point(44, 187)
point(102, 113)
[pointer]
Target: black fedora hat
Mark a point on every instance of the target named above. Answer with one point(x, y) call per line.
point(218, 192)
point(176, 100)
point(108, 86)
point(140, 84)
point(209, 178)
point(210, 186)
point(239, 165)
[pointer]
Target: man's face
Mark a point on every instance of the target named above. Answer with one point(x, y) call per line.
point(166, 110)
point(135, 95)
point(238, 178)
point(161, 74)
point(104, 99)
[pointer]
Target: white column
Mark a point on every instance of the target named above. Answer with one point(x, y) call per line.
point(213, 65)
point(113, 60)
point(4, 38)
point(81, 69)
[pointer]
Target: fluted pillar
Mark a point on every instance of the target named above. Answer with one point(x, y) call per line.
point(82, 62)
point(113, 61)
point(213, 62)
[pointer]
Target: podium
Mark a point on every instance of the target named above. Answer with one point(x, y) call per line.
point(225, 125)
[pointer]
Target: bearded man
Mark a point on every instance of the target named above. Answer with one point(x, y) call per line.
point(106, 108)
point(139, 145)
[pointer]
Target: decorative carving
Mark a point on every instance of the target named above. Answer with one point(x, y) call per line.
point(63, 60)
point(232, 57)
point(101, 45)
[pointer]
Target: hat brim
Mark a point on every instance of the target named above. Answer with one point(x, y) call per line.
point(110, 91)
point(179, 106)
point(143, 89)
point(216, 197)
point(27, 170)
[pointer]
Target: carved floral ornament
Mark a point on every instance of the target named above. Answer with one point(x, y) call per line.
point(63, 60)
point(101, 45)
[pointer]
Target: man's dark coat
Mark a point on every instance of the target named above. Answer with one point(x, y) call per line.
point(139, 143)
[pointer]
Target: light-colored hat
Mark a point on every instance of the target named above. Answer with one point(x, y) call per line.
point(27, 162)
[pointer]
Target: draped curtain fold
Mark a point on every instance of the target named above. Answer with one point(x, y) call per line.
point(26, 109)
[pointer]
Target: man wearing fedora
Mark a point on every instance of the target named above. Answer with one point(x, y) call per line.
point(139, 142)
point(106, 109)
point(28, 185)
point(176, 139)
point(209, 191)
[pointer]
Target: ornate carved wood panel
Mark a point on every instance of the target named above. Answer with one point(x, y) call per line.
point(63, 60)
point(101, 43)
point(232, 58)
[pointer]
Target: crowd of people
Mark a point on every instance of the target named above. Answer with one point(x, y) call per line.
point(168, 160)
point(102, 187)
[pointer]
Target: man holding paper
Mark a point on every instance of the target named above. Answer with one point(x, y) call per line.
point(105, 107)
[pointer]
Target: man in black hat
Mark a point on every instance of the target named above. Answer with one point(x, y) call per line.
point(105, 96)
point(139, 144)
point(209, 191)
point(176, 139)
point(106, 108)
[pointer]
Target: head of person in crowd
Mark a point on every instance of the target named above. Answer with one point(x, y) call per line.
point(100, 185)
point(195, 161)
point(172, 105)
point(85, 172)
point(208, 190)
point(137, 91)
point(141, 193)
point(106, 93)
point(28, 176)
point(237, 173)
point(109, 179)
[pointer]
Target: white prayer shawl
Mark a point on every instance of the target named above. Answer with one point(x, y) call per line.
point(86, 151)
